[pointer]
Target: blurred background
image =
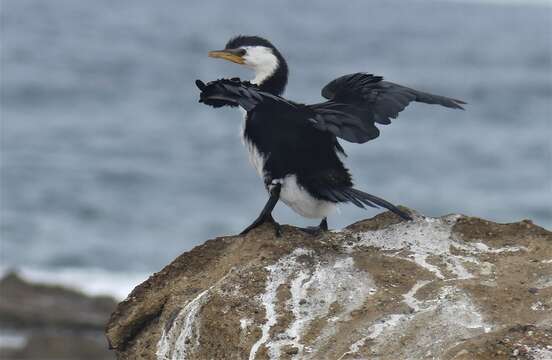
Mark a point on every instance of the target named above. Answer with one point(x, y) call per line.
point(110, 167)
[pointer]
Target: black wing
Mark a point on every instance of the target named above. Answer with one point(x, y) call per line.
point(234, 92)
point(358, 101)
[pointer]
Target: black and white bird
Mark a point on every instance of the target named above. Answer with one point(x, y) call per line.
point(294, 146)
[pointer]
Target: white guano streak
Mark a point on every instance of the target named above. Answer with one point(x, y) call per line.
point(425, 237)
point(335, 281)
point(170, 348)
point(175, 343)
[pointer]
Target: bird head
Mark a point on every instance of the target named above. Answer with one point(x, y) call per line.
point(259, 55)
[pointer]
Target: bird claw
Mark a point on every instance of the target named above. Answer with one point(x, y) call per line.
point(277, 229)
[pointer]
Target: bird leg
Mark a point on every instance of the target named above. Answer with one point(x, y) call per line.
point(324, 224)
point(316, 230)
point(266, 213)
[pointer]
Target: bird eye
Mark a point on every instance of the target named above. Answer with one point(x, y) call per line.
point(241, 52)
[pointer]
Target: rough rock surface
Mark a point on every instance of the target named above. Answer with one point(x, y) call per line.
point(454, 287)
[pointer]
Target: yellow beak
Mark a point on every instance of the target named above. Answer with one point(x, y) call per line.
point(229, 54)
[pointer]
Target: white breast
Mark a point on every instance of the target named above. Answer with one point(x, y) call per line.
point(292, 194)
point(303, 203)
point(256, 158)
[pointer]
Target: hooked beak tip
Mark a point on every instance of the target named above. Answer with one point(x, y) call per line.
point(229, 55)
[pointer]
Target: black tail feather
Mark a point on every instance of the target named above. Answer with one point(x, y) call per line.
point(343, 195)
point(354, 199)
point(359, 198)
point(370, 200)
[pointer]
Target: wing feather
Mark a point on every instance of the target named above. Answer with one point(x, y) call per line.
point(356, 103)
point(234, 92)
point(359, 101)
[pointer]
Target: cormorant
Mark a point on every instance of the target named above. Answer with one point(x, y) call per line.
point(294, 146)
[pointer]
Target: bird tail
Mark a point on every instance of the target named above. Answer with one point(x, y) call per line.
point(360, 198)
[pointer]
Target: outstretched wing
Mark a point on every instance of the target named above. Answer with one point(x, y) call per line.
point(234, 92)
point(356, 102)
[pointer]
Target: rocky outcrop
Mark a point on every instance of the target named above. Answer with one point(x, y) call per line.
point(40, 321)
point(454, 287)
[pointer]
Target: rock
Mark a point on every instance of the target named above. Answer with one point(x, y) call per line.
point(51, 322)
point(25, 305)
point(42, 346)
point(454, 287)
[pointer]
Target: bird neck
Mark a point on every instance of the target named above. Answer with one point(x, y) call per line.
point(275, 81)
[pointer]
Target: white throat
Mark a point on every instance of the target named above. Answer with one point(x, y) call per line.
point(262, 60)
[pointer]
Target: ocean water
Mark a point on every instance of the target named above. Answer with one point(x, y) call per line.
point(110, 166)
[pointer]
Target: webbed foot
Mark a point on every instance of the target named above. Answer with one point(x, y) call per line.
point(316, 230)
point(259, 221)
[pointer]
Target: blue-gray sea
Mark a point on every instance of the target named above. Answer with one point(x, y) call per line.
point(111, 168)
